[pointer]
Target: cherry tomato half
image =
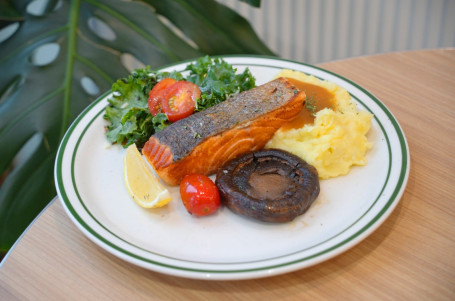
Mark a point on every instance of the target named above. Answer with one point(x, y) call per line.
point(157, 93)
point(199, 195)
point(179, 100)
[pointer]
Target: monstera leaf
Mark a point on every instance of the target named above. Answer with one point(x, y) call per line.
point(57, 56)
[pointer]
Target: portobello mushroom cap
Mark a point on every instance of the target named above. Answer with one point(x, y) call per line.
point(269, 185)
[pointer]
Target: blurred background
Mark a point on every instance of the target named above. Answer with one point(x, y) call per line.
point(314, 31)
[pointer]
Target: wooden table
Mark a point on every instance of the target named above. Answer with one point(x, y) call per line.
point(410, 257)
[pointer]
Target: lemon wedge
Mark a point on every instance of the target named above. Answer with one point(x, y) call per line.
point(143, 186)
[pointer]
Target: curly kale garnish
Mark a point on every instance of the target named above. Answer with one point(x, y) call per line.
point(217, 80)
point(127, 112)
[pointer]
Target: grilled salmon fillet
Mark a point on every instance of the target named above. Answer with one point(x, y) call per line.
point(204, 141)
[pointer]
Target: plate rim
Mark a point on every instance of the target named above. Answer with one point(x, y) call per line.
point(346, 244)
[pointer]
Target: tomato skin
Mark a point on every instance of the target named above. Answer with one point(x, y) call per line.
point(199, 194)
point(179, 100)
point(157, 93)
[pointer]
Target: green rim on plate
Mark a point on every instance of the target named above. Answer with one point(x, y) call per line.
point(196, 269)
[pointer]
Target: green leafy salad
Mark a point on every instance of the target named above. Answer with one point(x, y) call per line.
point(128, 112)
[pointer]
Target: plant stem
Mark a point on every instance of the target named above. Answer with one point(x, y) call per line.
point(72, 34)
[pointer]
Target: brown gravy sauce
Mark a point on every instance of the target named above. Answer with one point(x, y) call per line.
point(316, 97)
point(270, 185)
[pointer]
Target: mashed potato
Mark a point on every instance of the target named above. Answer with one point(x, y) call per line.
point(337, 138)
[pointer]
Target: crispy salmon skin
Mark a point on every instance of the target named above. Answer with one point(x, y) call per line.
point(204, 141)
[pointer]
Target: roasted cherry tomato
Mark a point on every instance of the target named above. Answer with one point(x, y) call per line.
point(157, 93)
point(179, 100)
point(199, 195)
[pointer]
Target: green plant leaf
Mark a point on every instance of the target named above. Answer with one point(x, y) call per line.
point(39, 97)
point(213, 27)
point(8, 13)
point(255, 3)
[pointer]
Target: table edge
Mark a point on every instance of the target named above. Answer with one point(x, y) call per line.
point(18, 240)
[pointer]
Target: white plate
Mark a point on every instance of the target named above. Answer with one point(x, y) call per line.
point(89, 180)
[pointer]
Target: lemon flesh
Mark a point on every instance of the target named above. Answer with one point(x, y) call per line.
point(143, 186)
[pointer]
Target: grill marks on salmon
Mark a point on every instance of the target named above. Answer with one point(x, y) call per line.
point(204, 141)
